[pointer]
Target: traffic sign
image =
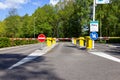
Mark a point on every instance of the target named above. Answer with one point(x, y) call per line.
point(94, 35)
point(94, 26)
point(41, 37)
point(102, 1)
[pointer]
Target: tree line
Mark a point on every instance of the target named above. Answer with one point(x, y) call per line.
point(66, 19)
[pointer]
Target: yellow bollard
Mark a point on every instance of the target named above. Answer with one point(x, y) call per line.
point(74, 40)
point(49, 41)
point(89, 42)
point(81, 41)
point(53, 40)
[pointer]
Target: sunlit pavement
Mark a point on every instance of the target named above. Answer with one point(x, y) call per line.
point(64, 62)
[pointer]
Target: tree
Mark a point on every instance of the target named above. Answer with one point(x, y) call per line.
point(2, 29)
point(13, 24)
point(69, 18)
point(81, 16)
point(43, 21)
point(108, 16)
point(27, 28)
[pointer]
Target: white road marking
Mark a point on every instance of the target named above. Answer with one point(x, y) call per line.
point(32, 56)
point(104, 55)
point(114, 46)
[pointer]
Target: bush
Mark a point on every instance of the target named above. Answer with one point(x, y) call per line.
point(23, 42)
point(114, 40)
point(100, 41)
point(33, 41)
point(4, 42)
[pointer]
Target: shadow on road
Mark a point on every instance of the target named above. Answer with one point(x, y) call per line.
point(70, 46)
point(114, 51)
point(24, 74)
point(38, 69)
point(6, 60)
point(76, 47)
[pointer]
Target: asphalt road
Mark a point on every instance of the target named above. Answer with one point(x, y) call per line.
point(64, 62)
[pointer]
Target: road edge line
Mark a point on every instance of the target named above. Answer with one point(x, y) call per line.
point(106, 56)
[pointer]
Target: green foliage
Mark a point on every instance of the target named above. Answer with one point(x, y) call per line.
point(114, 40)
point(4, 42)
point(23, 42)
point(26, 29)
point(100, 41)
point(13, 26)
point(33, 41)
point(2, 29)
point(109, 18)
point(66, 19)
point(42, 19)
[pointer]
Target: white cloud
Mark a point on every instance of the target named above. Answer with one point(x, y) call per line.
point(36, 3)
point(54, 2)
point(2, 6)
point(12, 3)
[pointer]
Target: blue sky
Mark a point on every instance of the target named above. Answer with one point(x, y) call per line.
point(22, 6)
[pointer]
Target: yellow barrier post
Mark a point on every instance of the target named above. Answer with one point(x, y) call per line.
point(49, 41)
point(88, 42)
point(81, 41)
point(74, 40)
point(53, 40)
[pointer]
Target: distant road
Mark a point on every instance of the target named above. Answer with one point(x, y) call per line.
point(64, 62)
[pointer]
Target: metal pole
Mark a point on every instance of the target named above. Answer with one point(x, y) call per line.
point(94, 10)
point(41, 46)
point(93, 20)
point(100, 28)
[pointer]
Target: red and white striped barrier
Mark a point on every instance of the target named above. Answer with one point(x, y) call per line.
point(107, 38)
point(23, 39)
point(64, 39)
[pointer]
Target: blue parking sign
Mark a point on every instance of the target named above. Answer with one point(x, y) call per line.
point(94, 35)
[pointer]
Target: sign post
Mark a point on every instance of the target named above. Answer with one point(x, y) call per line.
point(41, 38)
point(94, 4)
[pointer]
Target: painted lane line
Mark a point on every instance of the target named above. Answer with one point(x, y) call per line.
point(30, 57)
point(104, 55)
point(113, 46)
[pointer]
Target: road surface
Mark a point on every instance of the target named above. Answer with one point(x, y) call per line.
point(64, 62)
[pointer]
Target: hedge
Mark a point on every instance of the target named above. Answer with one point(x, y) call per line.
point(6, 42)
point(113, 40)
point(23, 42)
